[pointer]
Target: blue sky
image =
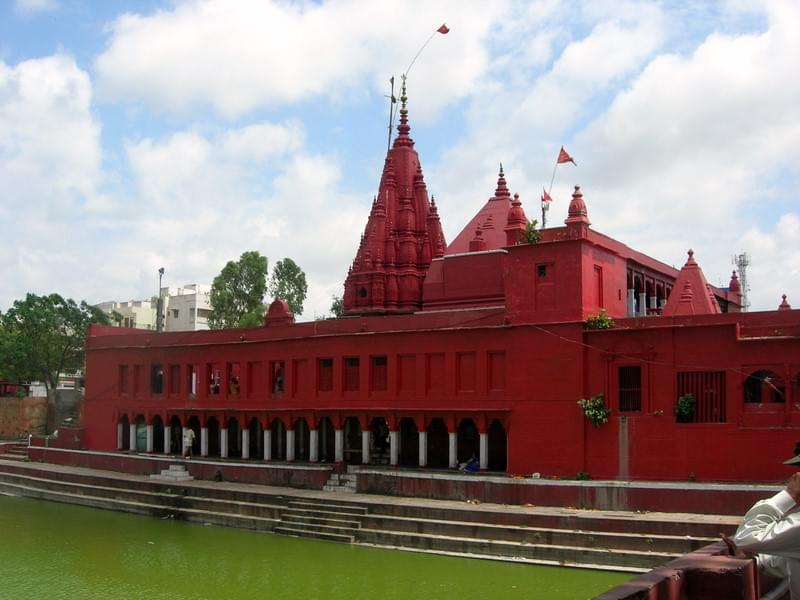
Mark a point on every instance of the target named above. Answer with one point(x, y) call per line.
point(135, 135)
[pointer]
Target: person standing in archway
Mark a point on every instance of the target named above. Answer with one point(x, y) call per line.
point(188, 441)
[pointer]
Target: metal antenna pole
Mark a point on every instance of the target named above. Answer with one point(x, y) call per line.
point(392, 102)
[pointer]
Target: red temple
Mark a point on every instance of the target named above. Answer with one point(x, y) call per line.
point(478, 348)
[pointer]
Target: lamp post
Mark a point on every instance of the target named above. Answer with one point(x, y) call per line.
point(160, 304)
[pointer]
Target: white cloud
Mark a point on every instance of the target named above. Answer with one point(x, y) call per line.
point(238, 56)
point(49, 170)
point(30, 7)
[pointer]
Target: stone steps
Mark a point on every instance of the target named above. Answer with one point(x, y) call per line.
point(344, 483)
point(174, 474)
point(621, 541)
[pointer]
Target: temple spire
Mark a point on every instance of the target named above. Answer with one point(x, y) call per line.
point(403, 128)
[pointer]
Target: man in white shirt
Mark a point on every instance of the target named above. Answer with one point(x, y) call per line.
point(771, 529)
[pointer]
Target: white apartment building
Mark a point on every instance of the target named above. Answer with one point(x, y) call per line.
point(186, 308)
point(136, 314)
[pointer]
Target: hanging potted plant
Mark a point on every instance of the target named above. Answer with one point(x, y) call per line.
point(685, 408)
point(595, 410)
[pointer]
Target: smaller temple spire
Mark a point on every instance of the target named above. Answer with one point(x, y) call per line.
point(501, 192)
point(785, 305)
point(403, 128)
point(477, 244)
point(734, 285)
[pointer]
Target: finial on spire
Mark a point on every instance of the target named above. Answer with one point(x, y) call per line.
point(785, 305)
point(501, 170)
point(403, 128)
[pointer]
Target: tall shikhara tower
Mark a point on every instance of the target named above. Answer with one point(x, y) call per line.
point(402, 236)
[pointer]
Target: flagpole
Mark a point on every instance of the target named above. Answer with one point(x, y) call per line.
point(416, 56)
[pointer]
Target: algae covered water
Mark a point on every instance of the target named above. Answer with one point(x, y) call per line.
point(54, 551)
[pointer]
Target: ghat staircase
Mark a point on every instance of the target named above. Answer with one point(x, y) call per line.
point(630, 542)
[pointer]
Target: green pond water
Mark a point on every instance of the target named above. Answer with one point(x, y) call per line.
point(50, 550)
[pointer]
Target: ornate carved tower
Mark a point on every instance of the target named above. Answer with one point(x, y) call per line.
point(402, 236)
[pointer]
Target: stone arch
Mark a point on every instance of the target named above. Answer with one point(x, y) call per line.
point(409, 443)
point(379, 441)
point(468, 441)
point(438, 444)
point(278, 430)
point(234, 438)
point(141, 433)
point(327, 440)
point(256, 441)
point(175, 435)
point(125, 438)
point(193, 423)
point(352, 441)
point(158, 434)
point(212, 430)
point(764, 386)
point(497, 442)
point(302, 439)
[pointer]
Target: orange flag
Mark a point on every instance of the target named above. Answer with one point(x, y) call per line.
point(563, 157)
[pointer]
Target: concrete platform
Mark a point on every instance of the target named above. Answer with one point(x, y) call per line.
point(619, 540)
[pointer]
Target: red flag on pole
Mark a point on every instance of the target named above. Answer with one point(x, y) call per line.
point(443, 29)
point(545, 196)
point(563, 157)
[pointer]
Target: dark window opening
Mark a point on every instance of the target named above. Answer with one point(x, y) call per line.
point(214, 378)
point(278, 374)
point(764, 386)
point(325, 378)
point(708, 390)
point(156, 379)
point(541, 271)
point(123, 379)
point(352, 373)
point(630, 389)
point(378, 377)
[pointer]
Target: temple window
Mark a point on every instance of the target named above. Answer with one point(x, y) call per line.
point(378, 374)
point(234, 378)
point(138, 373)
point(174, 381)
point(352, 368)
point(325, 374)
point(191, 379)
point(123, 382)
point(630, 389)
point(156, 378)
point(764, 386)
point(497, 371)
point(708, 390)
point(214, 379)
point(277, 371)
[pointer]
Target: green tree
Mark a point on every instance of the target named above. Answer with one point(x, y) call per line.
point(43, 336)
point(288, 282)
point(337, 306)
point(237, 293)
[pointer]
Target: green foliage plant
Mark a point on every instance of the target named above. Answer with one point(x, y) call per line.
point(595, 410)
point(685, 408)
point(288, 282)
point(531, 235)
point(44, 336)
point(600, 321)
point(337, 306)
point(237, 293)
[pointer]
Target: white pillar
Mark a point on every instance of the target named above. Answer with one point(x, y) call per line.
point(338, 443)
point(245, 443)
point(149, 438)
point(453, 457)
point(290, 445)
point(167, 439)
point(365, 447)
point(653, 302)
point(132, 436)
point(267, 444)
point(313, 442)
point(484, 451)
point(423, 448)
point(204, 441)
point(631, 303)
point(119, 436)
point(642, 304)
point(223, 442)
point(394, 447)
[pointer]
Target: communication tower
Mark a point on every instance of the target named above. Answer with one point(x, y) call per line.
point(742, 261)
